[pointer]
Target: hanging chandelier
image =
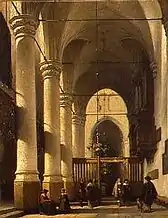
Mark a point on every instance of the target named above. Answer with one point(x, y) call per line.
point(97, 145)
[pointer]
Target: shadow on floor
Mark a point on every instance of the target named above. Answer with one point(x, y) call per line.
point(100, 210)
point(121, 210)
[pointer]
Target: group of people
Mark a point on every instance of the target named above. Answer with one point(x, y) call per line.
point(122, 191)
point(49, 207)
point(90, 192)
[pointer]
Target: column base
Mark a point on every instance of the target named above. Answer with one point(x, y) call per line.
point(26, 195)
point(70, 189)
point(54, 189)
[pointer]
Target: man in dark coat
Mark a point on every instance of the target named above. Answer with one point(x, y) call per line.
point(96, 193)
point(89, 192)
point(149, 193)
point(126, 191)
point(82, 192)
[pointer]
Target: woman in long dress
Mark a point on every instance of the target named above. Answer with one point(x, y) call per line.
point(64, 202)
point(117, 190)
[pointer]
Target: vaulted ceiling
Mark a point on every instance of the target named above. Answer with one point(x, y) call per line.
point(112, 38)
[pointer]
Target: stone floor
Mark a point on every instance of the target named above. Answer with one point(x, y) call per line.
point(109, 211)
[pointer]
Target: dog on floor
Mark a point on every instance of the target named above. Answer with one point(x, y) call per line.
point(139, 204)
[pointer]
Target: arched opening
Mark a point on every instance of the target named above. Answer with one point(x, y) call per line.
point(110, 138)
point(106, 117)
point(112, 109)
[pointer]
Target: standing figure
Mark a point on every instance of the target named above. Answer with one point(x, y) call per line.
point(82, 192)
point(149, 193)
point(117, 191)
point(64, 202)
point(126, 191)
point(89, 192)
point(96, 193)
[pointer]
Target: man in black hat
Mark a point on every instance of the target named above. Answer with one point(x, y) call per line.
point(126, 192)
point(149, 193)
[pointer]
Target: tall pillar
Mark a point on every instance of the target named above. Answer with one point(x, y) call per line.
point(78, 135)
point(75, 136)
point(66, 142)
point(165, 23)
point(52, 168)
point(82, 135)
point(26, 184)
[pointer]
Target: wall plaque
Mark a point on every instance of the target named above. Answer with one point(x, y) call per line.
point(154, 174)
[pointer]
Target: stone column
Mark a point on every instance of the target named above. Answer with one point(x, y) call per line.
point(51, 70)
point(26, 184)
point(75, 136)
point(82, 135)
point(165, 23)
point(66, 142)
point(126, 169)
point(78, 135)
point(125, 147)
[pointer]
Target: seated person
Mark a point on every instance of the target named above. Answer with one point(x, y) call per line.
point(64, 202)
point(46, 205)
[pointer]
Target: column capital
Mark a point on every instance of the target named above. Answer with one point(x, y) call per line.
point(65, 100)
point(153, 68)
point(50, 68)
point(23, 25)
point(79, 119)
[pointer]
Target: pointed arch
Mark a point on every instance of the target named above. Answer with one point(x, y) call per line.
point(116, 112)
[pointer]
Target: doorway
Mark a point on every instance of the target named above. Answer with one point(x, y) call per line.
point(110, 139)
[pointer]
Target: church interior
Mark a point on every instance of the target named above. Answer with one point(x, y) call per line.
point(83, 93)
